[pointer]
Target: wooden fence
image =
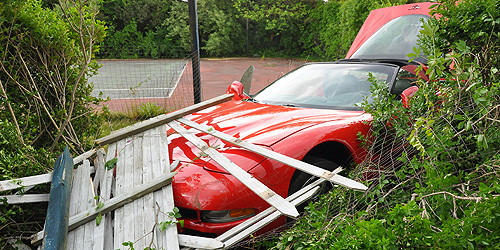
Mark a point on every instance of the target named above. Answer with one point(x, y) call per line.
point(112, 205)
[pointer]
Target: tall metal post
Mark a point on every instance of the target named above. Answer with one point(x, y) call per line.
point(195, 50)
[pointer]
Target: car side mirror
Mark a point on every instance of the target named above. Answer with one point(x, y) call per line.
point(407, 94)
point(236, 88)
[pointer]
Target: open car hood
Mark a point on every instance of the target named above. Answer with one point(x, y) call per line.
point(380, 17)
point(260, 124)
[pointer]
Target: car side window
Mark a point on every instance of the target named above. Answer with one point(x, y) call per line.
point(404, 80)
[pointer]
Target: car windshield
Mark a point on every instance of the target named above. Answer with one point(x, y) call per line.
point(394, 40)
point(326, 85)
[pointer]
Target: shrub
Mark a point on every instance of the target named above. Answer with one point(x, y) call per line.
point(442, 189)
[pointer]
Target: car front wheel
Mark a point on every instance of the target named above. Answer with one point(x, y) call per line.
point(301, 179)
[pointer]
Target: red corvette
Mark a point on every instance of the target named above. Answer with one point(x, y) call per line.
point(311, 114)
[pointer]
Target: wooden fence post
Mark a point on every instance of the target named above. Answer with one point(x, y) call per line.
point(56, 223)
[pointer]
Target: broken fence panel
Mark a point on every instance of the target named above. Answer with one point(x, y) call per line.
point(303, 166)
point(161, 120)
point(248, 180)
point(247, 223)
point(268, 219)
point(90, 214)
point(38, 179)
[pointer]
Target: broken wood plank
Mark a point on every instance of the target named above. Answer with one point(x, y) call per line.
point(128, 174)
point(120, 190)
point(80, 182)
point(100, 184)
point(74, 205)
point(247, 179)
point(199, 242)
point(38, 179)
point(247, 223)
point(137, 215)
point(268, 219)
point(300, 165)
point(26, 198)
point(161, 119)
point(149, 201)
point(87, 202)
point(164, 197)
point(112, 204)
point(90, 214)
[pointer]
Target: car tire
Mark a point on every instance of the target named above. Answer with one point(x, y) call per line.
point(301, 179)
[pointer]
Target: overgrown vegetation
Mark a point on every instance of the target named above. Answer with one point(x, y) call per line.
point(46, 55)
point(284, 28)
point(438, 187)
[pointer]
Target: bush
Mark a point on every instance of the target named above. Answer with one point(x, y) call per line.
point(45, 101)
point(441, 190)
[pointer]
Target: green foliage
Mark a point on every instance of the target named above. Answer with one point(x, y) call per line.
point(149, 110)
point(160, 28)
point(220, 31)
point(433, 167)
point(176, 215)
point(45, 101)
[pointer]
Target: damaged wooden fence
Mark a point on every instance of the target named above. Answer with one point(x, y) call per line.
point(129, 201)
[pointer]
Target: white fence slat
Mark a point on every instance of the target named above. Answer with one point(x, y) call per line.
point(168, 193)
point(128, 209)
point(248, 180)
point(73, 206)
point(303, 166)
point(25, 181)
point(157, 195)
point(161, 120)
point(26, 198)
point(106, 193)
point(149, 201)
point(199, 242)
point(247, 223)
point(79, 182)
point(87, 203)
point(168, 238)
point(270, 218)
point(100, 185)
point(38, 179)
point(119, 189)
point(99, 170)
point(138, 204)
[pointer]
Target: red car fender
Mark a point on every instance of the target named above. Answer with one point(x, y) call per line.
point(296, 147)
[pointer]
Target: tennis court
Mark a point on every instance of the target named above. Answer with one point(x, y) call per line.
point(136, 79)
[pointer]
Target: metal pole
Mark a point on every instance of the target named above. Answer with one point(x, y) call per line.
point(195, 50)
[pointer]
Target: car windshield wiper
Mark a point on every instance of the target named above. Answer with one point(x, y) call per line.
point(289, 105)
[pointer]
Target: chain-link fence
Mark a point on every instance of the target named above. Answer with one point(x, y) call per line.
point(136, 88)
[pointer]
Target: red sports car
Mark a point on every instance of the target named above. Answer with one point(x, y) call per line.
point(311, 114)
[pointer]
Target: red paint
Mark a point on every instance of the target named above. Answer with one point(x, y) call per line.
point(379, 17)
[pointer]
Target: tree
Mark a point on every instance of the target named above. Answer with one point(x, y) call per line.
point(44, 69)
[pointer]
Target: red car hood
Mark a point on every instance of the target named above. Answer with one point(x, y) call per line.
point(260, 124)
point(379, 17)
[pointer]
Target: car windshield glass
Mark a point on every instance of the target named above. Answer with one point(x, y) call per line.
point(393, 40)
point(326, 85)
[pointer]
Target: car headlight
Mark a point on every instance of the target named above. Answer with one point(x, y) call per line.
point(222, 216)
